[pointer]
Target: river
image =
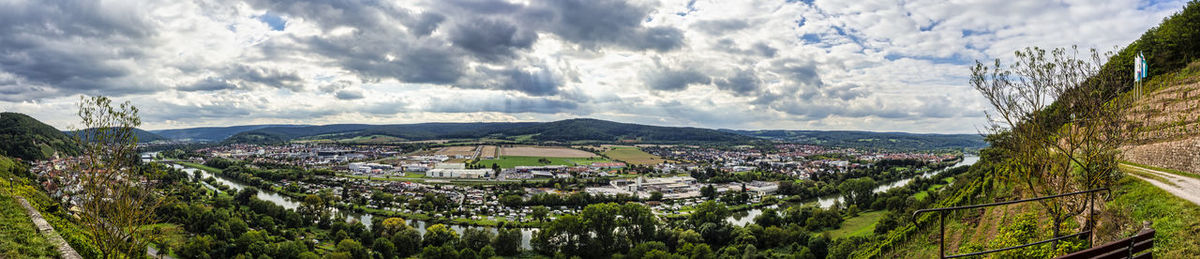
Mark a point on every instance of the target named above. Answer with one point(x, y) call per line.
point(291, 203)
point(744, 217)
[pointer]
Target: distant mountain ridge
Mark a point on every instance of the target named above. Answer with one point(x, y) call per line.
point(563, 131)
point(213, 134)
point(871, 140)
point(142, 135)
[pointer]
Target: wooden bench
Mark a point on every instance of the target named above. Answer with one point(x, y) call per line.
point(1129, 247)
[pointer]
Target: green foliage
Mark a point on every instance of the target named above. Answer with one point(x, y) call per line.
point(27, 138)
point(858, 191)
point(1174, 219)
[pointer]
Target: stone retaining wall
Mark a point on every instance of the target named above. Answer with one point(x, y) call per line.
point(64, 249)
point(1182, 155)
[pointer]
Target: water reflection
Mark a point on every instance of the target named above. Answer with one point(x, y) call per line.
point(827, 201)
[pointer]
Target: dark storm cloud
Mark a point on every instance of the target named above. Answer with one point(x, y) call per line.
point(362, 14)
point(593, 23)
point(742, 82)
point(506, 104)
point(349, 95)
point(208, 84)
point(721, 26)
point(674, 79)
point(798, 71)
point(424, 24)
point(727, 45)
point(845, 92)
point(72, 46)
point(536, 81)
point(416, 62)
point(268, 77)
point(491, 39)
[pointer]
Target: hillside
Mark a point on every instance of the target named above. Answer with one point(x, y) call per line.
point(871, 140)
point(565, 131)
point(1168, 122)
point(212, 133)
point(27, 138)
point(1165, 137)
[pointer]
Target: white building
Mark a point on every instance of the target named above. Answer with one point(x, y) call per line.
point(458, 173)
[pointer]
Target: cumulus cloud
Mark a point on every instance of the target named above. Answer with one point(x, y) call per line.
point(824, 64)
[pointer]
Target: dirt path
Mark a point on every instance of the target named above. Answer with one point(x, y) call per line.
point(1184, 187)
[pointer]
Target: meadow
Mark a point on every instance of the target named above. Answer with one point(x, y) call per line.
point(632, 155)
point(514, 161)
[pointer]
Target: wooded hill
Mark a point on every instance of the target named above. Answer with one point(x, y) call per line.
point(562, 131)
point(27, 138)
point(872, 140)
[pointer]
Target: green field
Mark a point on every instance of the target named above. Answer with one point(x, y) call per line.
point(863, 225)
point(514, 161)
point(633, 155)
point(201, 167)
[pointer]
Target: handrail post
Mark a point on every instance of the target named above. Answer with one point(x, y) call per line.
point(942, 237)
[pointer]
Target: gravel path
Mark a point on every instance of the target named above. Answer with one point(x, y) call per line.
point(1185, 187)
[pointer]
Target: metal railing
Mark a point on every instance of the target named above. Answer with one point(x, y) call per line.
point(942, 221)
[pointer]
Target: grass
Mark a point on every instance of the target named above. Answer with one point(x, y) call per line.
point(514, 161)
point(862, 225)
point(1167, 170)
point(1176, 221)
point(1138, 171)
point(18, 236)
point(633, 155)
point(166, 236)
point(201, 167)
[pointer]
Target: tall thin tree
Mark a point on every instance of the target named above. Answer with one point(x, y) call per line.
point(116, 198)
point(1061, 132)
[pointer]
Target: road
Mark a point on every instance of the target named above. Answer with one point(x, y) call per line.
point(1182, 186)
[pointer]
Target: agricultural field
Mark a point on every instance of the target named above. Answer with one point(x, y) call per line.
point(489, 152)
point(514, 161)
point(632, 155)
point(459, 151)
point(535, 151)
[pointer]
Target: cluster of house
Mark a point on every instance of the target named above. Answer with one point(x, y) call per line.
point(676, 187)
point(303, 155)
point(792, 159)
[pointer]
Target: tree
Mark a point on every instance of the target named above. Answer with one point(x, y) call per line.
point(407, 242)
point(438, 235)
point(708, 192)
point(1056, 125)
point(393, 225)
point(540, 213)
point(116, 198)
point(656, 196)
point(507, 242)
point(384, 247)
point(475, 238)
point(355, 248)
point(708, 212)
point(858, 191)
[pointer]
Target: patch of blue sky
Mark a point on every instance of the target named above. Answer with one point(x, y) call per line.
point(274, 21)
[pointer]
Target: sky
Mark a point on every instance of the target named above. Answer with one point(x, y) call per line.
point(799, 65)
